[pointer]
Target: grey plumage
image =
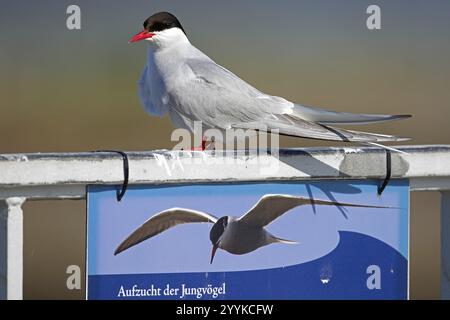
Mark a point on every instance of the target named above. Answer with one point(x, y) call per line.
point(183, 81)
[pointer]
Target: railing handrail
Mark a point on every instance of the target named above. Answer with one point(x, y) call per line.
point(65, 175)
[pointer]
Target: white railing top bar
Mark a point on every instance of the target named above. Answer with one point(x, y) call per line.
point(65, 175)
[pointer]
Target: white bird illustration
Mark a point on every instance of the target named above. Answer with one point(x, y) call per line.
point(237, 235)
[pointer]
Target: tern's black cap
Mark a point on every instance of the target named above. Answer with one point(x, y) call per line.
point(218, 229)
point(162, 21)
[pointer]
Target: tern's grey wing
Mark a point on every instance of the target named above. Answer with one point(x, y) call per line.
point(272, 206)
point(222, 98)
point(212, 73)
point(330, 117)
point(162, 221)
point(292, 126)
point(229, 102)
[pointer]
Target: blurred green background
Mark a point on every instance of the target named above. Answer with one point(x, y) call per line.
point(63, 90)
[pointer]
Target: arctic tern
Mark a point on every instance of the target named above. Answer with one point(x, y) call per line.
point(182, 81)
point(237, 235)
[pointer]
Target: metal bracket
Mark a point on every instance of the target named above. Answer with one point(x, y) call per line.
point(387, 178)
point(126, 172)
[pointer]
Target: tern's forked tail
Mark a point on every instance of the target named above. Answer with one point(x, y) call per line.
point(280, 240)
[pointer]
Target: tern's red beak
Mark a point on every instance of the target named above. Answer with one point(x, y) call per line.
point(213, 252)
point(141, 36)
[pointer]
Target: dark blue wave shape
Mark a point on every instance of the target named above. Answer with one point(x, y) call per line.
point(341, 274)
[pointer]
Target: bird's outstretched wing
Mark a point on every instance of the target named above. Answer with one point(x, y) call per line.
point(162, 221)
point(272, 206)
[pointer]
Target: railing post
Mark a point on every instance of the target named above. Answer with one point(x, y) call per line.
point(11, 248)
point(445, 245)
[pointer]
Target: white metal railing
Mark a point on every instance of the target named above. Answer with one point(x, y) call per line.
point(40, 176)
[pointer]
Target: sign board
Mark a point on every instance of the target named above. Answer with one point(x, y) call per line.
point(340, 251)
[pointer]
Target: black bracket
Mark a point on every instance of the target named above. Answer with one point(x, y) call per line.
point(388, 173)
point(126, 172)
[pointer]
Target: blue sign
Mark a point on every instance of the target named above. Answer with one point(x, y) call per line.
point(286, 240)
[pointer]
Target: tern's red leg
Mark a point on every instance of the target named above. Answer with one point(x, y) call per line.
point(200, 148)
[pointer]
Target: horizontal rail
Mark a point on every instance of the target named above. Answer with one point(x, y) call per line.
point(65, 175)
